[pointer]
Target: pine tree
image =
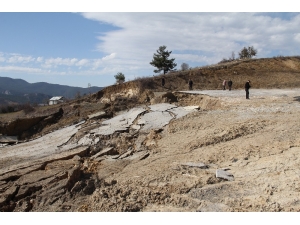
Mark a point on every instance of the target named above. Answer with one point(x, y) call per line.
point(161, 60)
point(120, 77)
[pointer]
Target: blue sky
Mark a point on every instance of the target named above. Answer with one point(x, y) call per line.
point(51, 44)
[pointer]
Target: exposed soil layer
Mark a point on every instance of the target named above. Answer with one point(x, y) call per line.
point(231, 154)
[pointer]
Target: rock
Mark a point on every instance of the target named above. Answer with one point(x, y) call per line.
point(154, 120)
point(86, 140)
point(118, 123)
point(73, 176)
point(139, 155)
point(170, 97)
point(199, 165)
point(89, 188)
point(8, 194)
point(97, 115)
point(109, 167)
point(105, 158)
point(97, 139)
point(86, 164)
point(27, 190)
point(76, 158)
point(136, 127)
point(8, 139)
point(207, 206)
point(191, 107)
point(106, 151)
point(221, 173)
point(126, 154)
point(78, 186)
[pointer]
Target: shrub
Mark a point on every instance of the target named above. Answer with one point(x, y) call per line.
point(146, 83)
point(27, 108)
point(7, 109)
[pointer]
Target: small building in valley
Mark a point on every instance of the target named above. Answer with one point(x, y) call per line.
point(56, 100)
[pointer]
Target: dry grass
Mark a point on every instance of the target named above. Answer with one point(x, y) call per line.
point(279, 72)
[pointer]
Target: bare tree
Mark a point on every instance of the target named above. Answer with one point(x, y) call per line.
point(247, 52)
point(78, 95)
point(89, 88)
point(252, 52)
point(232, 55)
point(184, 66)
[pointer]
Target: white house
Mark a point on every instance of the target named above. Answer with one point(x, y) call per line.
point(56, 100)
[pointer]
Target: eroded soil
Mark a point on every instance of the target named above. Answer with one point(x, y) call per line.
point(172, 168)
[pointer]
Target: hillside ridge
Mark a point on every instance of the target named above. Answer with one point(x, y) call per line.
point(17, 91)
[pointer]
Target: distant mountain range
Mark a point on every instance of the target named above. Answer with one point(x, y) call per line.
point(19, 91)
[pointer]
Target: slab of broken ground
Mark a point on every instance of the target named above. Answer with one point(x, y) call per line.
point(44, 147)
point(157, 116)
point(38, 163)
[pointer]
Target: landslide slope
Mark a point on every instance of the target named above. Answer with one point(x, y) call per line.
point(173, 168)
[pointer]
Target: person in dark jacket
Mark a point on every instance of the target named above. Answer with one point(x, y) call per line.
point(163, 82)
point(229, 84)
point(247, 87)
point(190, 84)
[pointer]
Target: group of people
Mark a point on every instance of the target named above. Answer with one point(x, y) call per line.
point(229, 83)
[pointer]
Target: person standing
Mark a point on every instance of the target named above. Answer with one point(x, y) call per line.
point(229, 84)
point(190, 84)
point(163, 81)
point(224, 85)
point(247, 87)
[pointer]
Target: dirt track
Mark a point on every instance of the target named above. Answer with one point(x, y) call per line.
point(256, 140)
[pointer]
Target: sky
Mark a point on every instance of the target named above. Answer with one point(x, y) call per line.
point(84, 43)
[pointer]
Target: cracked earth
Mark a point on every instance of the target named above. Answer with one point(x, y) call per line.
point(210, 151)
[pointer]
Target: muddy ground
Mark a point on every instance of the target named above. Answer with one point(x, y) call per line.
point(255, 143)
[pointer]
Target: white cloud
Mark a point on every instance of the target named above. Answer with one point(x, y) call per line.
point(210, 36)
point(191, 58)
point(20, 69)
point(297, 37)
point(108, 57)
point(20, 59)
point(54, 62)
point(39, 59)
point(82, 62)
